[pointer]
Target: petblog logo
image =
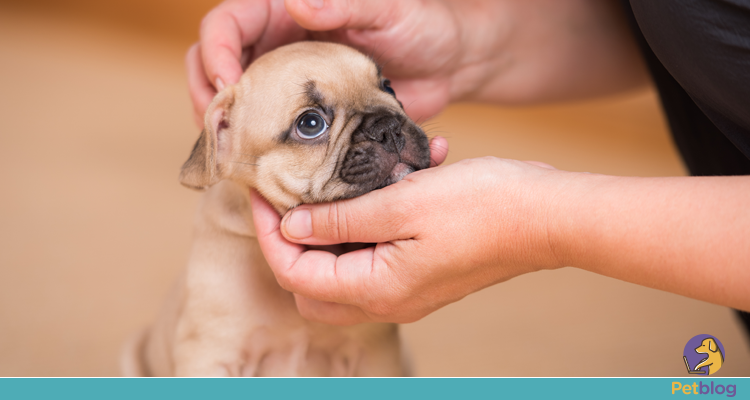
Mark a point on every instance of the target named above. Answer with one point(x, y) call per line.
point(704, 355)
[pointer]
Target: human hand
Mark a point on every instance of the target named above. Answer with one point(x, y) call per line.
point(418, 44)
point(441, 234)
point(434, 51)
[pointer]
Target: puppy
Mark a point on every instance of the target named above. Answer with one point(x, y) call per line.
point(715, 359)
point(309, 122)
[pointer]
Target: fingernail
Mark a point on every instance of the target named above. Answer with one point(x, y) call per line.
point(299, 224)
point(315, 4)
point(220, 84)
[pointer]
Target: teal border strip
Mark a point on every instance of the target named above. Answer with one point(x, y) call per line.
point(360, 388)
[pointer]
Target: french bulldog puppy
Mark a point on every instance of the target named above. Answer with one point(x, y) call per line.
point(308, 122)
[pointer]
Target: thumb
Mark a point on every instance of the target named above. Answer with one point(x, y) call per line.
point(379, 216)
point(327, 15)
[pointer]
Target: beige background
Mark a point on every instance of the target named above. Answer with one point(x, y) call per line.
point(94, 225)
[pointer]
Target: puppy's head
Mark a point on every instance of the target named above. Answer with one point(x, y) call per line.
point(308, 122)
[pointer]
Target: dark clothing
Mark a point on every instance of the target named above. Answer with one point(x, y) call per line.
point(698, 52)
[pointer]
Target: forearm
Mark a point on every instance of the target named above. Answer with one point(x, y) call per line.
point(520, 52)
point(685, 235)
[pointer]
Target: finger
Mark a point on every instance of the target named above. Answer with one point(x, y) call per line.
point(323, 276)
point(326, 15)
point(201, 90)
point(438, 151)
point(224, 32)
point(378, 216)
point(277, 250)
point(330, 313)
point(281, 30)
point(422, 98)
point(314, 274)
point(540, 164)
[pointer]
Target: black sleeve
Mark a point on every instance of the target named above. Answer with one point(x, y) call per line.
point(698, 52)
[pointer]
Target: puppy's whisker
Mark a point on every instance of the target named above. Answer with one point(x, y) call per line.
point(409, 105)
point(377, 57)
point(373, 51)
point(427, 124)
point(433, 132)
point(443, 136)
point(382, 53)
point(389, 61)
point(438, 146)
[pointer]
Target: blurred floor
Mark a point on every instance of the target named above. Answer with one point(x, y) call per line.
point(94, 225)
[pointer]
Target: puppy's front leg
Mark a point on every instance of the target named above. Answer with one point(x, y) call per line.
point(229, 293)
point(209, 335)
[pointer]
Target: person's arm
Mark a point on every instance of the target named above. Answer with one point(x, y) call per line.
point(446, 232)
point(544, 51)
point(435, 52)
point(685, 235)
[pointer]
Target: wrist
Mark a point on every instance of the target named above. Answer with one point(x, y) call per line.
point(570, 215)
point(529, 213)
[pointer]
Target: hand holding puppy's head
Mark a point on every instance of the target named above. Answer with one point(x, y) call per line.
point(309, 122)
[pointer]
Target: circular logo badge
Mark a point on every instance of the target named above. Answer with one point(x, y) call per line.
point(703, 355)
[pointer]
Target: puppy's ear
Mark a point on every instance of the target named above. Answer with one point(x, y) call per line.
point(712, 345)
point(202, 169)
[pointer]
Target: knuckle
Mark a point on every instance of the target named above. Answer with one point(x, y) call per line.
point(336, 228)
point(343, 223)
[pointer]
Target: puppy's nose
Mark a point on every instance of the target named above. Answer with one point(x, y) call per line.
point(386, 129)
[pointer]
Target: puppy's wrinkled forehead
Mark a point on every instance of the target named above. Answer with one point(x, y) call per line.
point(324, 75)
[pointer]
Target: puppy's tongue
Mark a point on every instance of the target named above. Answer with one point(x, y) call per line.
point(400, 171)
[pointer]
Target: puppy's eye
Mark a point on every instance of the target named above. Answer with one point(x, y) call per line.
point(311, 126)
point(386, 86)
